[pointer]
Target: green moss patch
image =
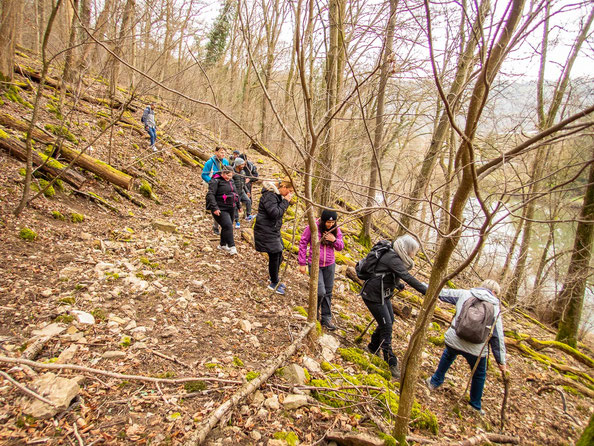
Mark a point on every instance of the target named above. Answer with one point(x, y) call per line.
point(290, 438)
point(61, 132)
point(250, 376)
point(58, 215)
point(77, 218)
point(27, 234)
point(368, 363)
point(195, 386)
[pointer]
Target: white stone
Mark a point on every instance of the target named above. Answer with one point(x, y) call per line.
point(50, 330)
point(131, 325)
point(329, 342)
point(294, 401)
point(245, 325)
point(47, 292)
point(272, 403)
point(83, 317)
point(169, 331)
point(68, 354)
point(114, 355)
point(327, 354)
point(225, 320)
point(254, 341)
point(312, 365)
point(294, 374)
point(255, 435)
point(60, 391)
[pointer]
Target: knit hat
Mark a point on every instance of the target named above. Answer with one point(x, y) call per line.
point(327, 214)
point(238, 162)
point(227, 168)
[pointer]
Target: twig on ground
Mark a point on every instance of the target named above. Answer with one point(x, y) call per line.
point(563, 401)
point(25, 389)
point(77, 435)
point(170, 358)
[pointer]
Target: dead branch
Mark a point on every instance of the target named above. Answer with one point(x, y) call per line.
point(25, 389)
point(563, 401)
point(35, 348)
point(79, 368)
point(213, 419)
point(505, 397)
point(97, 199)
point(77, 435)
point(485, 438)
point(170, 358)
point(129, 197)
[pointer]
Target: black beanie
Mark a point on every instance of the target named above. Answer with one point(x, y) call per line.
point(327, 214)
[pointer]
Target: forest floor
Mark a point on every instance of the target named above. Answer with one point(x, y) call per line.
point(170, 305)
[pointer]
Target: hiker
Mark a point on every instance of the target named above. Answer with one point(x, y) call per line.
point(330, 238)
point(234, 155)
point(472, 352)
point(148, 119)
point(252, 174)
point(392, 267)
point(239, 178)
point(275, 199)
point(211, 167)
point(221, 200)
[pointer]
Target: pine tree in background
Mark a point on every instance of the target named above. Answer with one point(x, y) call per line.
point(217, 38)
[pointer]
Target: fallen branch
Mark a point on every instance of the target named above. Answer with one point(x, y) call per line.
point(170, 358)
point(77, 435)
point(25, 389)
point(129, 197)
point(563, 401)
point(79, 368)
point(97, 199)
point(215, 417)
point(35, 348)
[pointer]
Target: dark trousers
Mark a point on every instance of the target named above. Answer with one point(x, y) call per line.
point(382, 336)
point(274, 262)
point(152, 131)
point(478, 379)
point(248, 206)
point(226, 222)
point(325, 285)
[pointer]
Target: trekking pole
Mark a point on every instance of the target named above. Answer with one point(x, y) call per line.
point(505, 396)
point(359, 338)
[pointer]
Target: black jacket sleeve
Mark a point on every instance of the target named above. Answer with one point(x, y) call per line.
point(397, 266)
point(211, 195)
point(274, 209)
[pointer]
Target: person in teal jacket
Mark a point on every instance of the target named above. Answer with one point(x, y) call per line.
point(214, 165)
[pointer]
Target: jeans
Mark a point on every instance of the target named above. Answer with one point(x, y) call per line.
point(274, 262)
point(248, 206)
point(382, 336)
point(226, 222)
point(478, 379)
point(325, 285)
point(152, 131)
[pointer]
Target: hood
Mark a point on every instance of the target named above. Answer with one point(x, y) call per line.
point(484, 294)
point(270, 186)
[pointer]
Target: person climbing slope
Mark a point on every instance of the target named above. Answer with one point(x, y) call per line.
point(221, 200)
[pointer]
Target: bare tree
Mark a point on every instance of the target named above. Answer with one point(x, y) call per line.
point(10, 24)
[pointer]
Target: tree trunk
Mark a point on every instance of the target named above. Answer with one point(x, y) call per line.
point(9, 28)
point(412, 359)
point(71, 59)
point(570, 302)
point(587, 437)
point(377, 148)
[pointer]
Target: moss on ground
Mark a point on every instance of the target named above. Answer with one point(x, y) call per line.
point(27, 234)
point(58, 215)
point(61, 131)
point(77, 218)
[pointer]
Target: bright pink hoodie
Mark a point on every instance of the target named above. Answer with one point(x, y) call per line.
point(326, 251)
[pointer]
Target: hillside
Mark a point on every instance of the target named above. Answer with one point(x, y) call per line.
point(169, 305)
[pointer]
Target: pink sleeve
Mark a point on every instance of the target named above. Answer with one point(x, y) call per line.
point(339, 242)
point(305, 240)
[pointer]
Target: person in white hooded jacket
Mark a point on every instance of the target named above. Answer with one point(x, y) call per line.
point(487, 291)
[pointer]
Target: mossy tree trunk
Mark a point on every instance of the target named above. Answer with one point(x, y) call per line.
point(587, 438)
point(569, 305)
point(465, 157)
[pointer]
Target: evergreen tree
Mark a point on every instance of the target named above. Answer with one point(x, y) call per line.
point(217, 38)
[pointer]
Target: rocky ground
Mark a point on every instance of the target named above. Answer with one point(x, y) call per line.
point(169, 305)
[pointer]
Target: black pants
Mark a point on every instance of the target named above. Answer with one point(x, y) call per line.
point(381, 339)
point(274, 262)
point(226, 222)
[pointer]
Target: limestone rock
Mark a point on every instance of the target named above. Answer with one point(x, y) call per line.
point(60, 391)
point(83, 317)
point(294, 401)
point(114, 355)
point(311, 365)
point(358, 438)
point(68, 354)
point(169, 331)
point(50, 330)
point(245, 326)
point(164, 226)
point(272, 403)
point(294, 374)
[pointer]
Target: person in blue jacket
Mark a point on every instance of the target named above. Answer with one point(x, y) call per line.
point(214, 165)
point(487, 291)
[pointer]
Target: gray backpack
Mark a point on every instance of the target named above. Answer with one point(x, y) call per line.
point(475, 320)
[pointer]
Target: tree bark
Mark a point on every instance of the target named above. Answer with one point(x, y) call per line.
point(9, 27)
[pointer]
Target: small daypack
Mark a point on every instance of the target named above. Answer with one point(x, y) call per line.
point(475, 320)
point(366, 267)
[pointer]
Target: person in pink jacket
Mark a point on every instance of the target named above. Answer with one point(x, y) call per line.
point(330, 240)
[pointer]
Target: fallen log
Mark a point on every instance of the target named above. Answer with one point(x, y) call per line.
point(97, 199)
point(215, 416)
point(129, 197)
point(184, 157)
point(87, 162)
point(538, 345)
point(484, 438)
point(98, 167)
point(52, 168)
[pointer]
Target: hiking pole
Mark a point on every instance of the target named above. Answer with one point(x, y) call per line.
point(505, 396)
point(359, 338)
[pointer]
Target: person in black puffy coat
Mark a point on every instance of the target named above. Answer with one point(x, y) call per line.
point(221, 200)
point(377, 293)
point(274, 202)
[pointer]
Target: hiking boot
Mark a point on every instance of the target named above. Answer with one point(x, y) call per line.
point(232, 250)
point(372, 352)
point(154, 148)
point(329, 326)
point(216, 230)
point(430, 385)
point(479, 412)
point(225, 248)
point(237, 225)
point(395, 371)
point(250, 217)
point(278, 288)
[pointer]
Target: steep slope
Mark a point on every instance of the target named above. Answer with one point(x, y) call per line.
point(170, 305)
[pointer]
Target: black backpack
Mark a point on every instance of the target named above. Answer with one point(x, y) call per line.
point(475, 321)
point(366, 267)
